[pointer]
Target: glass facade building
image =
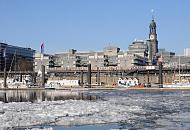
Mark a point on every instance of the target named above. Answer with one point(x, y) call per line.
point(17, 58)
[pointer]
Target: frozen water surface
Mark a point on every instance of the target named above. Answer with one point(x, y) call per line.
point(128, 109)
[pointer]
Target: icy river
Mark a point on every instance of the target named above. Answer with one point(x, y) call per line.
point(94, 110)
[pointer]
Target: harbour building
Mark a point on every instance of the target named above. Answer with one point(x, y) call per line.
point(139, 53)
point(110, 57)
point(17, 58)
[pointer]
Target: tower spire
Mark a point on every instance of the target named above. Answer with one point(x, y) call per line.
point(152, 11)
point(152, 42)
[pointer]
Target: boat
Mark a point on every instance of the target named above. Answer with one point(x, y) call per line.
point(178, 84)
point(15, 82)
point(58, 84)
point(129, 82)
point(52, 85)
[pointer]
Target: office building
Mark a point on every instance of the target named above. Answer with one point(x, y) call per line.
point(110, 57)
point(17, 58)
point(138, 47)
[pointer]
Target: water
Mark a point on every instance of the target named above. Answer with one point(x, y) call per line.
point(42, 95)
point(102, 110)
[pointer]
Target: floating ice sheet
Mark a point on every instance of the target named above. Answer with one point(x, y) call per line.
point(133, 110)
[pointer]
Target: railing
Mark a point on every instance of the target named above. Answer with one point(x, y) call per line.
point(114, 68)
point(18, 72)
point(57, 69)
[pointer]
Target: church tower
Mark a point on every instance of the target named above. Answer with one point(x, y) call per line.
point(152, 42)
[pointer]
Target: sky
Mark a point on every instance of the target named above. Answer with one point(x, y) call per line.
point(91, 25)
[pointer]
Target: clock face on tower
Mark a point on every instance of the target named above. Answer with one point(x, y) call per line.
point(152, 37)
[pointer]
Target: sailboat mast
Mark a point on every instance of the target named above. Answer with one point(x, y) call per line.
point(15, 62)
point(179, 70)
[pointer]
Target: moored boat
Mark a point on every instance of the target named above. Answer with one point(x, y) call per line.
point(58, 84)
point(178, 84)
point(181, 82)
point(128, 82)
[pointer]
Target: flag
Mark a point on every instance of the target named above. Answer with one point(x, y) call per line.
point(42, 48)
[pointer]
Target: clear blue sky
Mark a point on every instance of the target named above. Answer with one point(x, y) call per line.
point(93, 24)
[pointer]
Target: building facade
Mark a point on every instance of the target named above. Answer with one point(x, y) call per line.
point(17, 58)
point(187, 52)
point(138, 47)
point(167, 57)
point(183, 61)
point(109, 57)
point(139, 53)
point(73, 59)
point(42, 59)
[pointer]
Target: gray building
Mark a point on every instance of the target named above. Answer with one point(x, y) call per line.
point(17, 58)
point(111, 54)
point(98, 59)
point(166, 56)
point(72, 59)
point(138, 47)
point(42, 59)
point(109, 57)
point(172, 60)
point(68, 59)
point(126, 61)
point(175, 61)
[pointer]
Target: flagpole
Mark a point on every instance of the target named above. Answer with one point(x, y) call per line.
point(42, 66)
point(42, 53)
point(5, 71)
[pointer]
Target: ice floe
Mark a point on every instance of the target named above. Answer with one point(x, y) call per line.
point(135, 110)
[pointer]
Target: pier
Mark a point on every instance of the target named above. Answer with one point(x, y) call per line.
point(108, 76)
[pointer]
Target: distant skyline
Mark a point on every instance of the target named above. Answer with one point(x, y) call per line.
point(87, 25)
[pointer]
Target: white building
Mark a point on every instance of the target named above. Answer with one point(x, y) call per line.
point(187, 52)
point(39, 60)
